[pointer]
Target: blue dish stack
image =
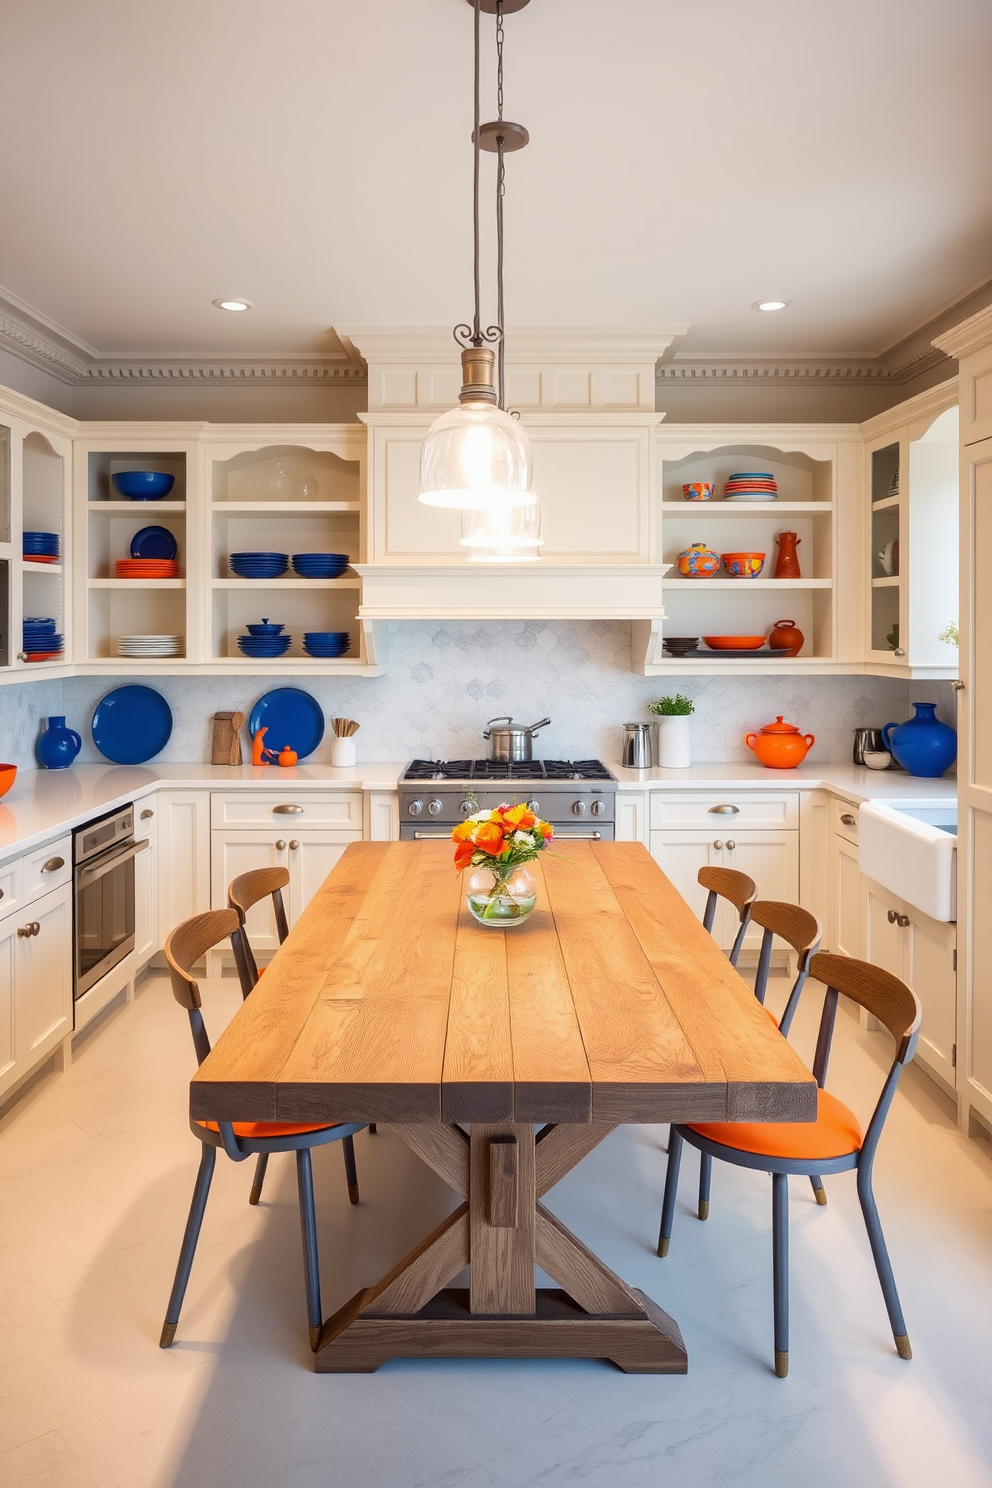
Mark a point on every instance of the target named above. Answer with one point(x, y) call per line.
point(40, 546)
point(326, 644)
point(320, 565)
point(42, 641)
point(259, 565)
point(264, 642)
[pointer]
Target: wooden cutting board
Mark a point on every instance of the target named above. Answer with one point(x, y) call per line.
point(227, 739)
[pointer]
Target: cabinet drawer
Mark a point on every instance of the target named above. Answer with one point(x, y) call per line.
point(845, 820)
point(47, 867)
point(290, 810)
point(11, 891)
point(689, 810)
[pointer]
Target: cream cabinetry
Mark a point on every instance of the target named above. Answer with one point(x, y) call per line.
point(35, 983)
point(147, 941)
point(183, 850)
point(843, 930)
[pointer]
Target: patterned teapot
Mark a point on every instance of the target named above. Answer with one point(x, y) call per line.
point(780, 745)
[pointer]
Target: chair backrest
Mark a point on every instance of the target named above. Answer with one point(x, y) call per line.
point(887, 999)
point(244, 891)
point(727, 883)
point(799, 929)
point(184, 947)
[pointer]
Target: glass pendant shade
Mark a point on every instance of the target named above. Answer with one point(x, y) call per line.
point(478, 458)
point(504, 534)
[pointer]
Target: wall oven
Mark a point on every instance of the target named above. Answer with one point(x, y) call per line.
point(103, 854)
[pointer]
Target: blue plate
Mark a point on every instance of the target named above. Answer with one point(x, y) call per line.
point(142, 485)
point(131, 725)
point(292, 717)
point(154, 542)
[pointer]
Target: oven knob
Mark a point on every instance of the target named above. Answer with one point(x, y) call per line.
point(465, 807)
point(415, 808)
point(599, 808)
point(435, 807)
point(534, 806)
point(579, 808)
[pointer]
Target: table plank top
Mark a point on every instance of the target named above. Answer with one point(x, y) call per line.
point(611, 1003)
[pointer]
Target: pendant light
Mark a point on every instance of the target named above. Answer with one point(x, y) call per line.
point(477, 457)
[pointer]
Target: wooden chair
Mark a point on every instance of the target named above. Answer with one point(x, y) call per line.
point(833, 1143)
point(727, 883)
point(243, 892)
point(801, 930)
point(240, 1139)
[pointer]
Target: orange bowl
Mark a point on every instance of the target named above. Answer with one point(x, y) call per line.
point(7, 773)
point(734, 643)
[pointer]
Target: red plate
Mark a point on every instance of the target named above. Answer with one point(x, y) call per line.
point(40, 558)
point(42, 655)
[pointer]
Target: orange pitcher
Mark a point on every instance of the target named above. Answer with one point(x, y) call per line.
point(787, 563)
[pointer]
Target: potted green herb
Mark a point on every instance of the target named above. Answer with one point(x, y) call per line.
point(674, 730)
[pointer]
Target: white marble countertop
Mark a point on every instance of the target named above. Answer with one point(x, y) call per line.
point(44, 803)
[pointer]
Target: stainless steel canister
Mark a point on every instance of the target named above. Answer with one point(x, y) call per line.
point(867, 740)
point(637, 753)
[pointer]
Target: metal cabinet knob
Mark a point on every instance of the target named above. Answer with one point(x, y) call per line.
point(903, 920)
point(849, 820)
point(280, 844)
point(892, 916)
point(147, 815)
point(900, 651)
point(731, 844)
point(287, 811)
point(958, 686)
point(725, 810)
point(53, 865)
point(718, 845)
point(26, 931)
point(294, 843)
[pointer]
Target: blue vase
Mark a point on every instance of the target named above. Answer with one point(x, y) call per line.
point(922, 745)
point(58, 745)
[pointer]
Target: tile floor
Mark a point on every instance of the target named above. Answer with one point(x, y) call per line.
point(97, 1167)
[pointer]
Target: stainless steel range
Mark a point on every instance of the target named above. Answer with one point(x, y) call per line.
point(578, 797)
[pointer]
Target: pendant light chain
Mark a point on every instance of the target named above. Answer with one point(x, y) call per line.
point(500, 193)
point(477, 155)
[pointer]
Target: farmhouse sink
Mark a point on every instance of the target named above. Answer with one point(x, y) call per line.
point(910, 848)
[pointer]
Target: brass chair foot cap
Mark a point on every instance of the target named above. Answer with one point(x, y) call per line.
point(168, 1334)
point(663, 1245)
point(353, 1192)
point(315, 1337)
point(255, 1195)
point(704, 1209)
point(781, 1362)
point(820, 1194)
point(902, 1345)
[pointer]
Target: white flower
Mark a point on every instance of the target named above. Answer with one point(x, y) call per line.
point(523, 839)
point(479, 816)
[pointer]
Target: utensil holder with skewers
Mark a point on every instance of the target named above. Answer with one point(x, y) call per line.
point(343, 744)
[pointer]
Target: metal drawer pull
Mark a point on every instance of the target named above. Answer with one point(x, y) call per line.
point(147, 815)
point(578, 836)
point(718, 845)
point(903, 920)
point(26, 931)
point(849, 820)
point(895, 918)
point(287, 811)
point(432, 836)
point(53, 865)
point(280, 844)
point(731, 844)
point(724, 810)
point(294, 843)
point(1, 893)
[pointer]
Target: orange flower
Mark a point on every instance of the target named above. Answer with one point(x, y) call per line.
point(546, 830)
point(463, 855)
point(463, 832)
point(489, 838)
point(519, 816)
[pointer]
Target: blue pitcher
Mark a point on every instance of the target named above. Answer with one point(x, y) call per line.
point(922, 745)
point(58, 745)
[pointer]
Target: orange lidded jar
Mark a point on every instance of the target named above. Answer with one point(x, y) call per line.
point(780, 745)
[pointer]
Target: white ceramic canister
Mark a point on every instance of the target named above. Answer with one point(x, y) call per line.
point(674, 739)
point(343, 751)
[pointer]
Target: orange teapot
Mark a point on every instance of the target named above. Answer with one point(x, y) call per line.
point(779, 745)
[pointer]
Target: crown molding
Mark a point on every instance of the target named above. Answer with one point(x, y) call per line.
point(970, 335)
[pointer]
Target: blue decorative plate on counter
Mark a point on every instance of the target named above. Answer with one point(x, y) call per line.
point(292, 717)
point(131, 725)
point(154, 542)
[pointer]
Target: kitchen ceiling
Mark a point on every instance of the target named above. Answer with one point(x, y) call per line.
point(687, 158)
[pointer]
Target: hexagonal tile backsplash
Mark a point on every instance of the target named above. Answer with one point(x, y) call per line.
point(445, 679)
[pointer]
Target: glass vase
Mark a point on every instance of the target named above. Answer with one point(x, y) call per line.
point(501, 902)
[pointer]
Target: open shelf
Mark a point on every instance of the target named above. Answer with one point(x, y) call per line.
point(887, 582)
point(145, 510)
point(741, 584)
point(137, 584)
point(284, 508)
point(286, 476)
point(102, 464)
point(736, 509)
point(41, 568)
point(289, 581)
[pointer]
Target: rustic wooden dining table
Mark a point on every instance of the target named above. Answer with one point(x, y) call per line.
point(501, 1058)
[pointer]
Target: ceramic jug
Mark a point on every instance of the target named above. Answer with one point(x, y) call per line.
point(786, 638)
point(780, 745)
point(787, 563)
point(922, 745)
point(58, 745)
point(698, 562)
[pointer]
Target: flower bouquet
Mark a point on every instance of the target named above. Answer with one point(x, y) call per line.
point(497, 844)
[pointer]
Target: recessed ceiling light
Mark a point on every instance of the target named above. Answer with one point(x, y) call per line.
point(232, 304)
point(771, 304)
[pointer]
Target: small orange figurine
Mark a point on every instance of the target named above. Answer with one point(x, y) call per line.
point(287, 756)
point(258, 750)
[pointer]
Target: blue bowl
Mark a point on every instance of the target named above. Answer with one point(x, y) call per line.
point(142, 485)
point(265, 629)
point(329, 636)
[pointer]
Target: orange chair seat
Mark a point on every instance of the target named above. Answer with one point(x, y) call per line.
point(834, 1133)
point(259, 1129)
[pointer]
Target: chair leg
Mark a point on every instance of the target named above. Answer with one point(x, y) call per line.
point(201, 1189)
point(819, 1192)
point(735, 949)
point(259, 1178)
point(308, 1225)
point(780, 1270)
point(350, 1168)
point(373, 1128)
point(671, 1191)
point(705, 1174)
point(882, 1264)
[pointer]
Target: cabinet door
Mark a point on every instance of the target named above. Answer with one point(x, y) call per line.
point(885, 939)
point(44, 976)
point(845, 898)
point(9, 1070)
point(233, 853)
point(772, 860)
point(184, 857)
point(382, 816)
point(632, 816)
point(680, 855)
point(931, 973)
point(146, 936)
point(310, 861)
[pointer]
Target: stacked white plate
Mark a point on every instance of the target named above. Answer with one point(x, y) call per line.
point(151, 645)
